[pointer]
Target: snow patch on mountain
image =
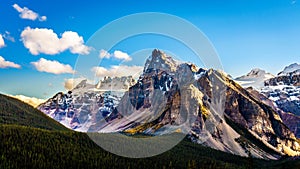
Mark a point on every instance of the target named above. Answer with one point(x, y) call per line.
point(255, 78)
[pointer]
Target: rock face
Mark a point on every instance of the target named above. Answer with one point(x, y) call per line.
point(179, 97)
point(282, 92)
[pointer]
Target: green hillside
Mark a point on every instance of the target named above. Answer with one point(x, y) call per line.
point(13, 111)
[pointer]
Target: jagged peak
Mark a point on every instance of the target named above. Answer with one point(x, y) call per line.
point(160, 61)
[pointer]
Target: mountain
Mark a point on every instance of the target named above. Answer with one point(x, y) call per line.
point(289, 76)
point(79, 108)
point(14, 111)
point(282, 92)
point(30, 139)
point(172, 96)
point(255, 78)
point(292, 68)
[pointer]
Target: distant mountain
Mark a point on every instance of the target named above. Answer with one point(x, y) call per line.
point(168, 95)
point(283, 91)
point(255, 78)
point(79, 108)
point(292, 68)
point(14, 111)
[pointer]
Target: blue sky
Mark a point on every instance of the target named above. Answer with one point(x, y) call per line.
point(246, 34)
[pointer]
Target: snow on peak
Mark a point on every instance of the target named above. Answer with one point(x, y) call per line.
point(256, 72)
point(289, 69)
point(255, 78)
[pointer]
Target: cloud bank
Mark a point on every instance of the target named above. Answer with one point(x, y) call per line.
point(29, 100)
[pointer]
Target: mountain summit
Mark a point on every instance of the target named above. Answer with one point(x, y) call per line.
point(159, 61)
point(255, 78)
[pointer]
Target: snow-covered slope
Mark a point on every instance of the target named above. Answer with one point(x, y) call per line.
point(289, 69)
point(255, 78)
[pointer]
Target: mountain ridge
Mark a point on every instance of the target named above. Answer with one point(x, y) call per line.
point(168, 90)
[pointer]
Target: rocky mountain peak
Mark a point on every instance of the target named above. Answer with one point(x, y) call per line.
point(159, 61)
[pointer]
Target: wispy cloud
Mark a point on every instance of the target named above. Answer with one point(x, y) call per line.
point(7, 36)
point(43, 40)
point(116, 54)
point(26, 13)
point(49, 66)
point(117, 71)
point(8, 64)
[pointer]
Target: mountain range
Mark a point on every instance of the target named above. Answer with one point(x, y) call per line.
point(170, 96)
point(281, 92)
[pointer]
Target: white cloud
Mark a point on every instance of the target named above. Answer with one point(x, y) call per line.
point(29, 100)
point(50, 66)
point(121, 55)
point(2, 44)
point(69, 84)
point(43, 40)
point(116, 54)
point(7, 64)
point(26, 13)
point(118, 71)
